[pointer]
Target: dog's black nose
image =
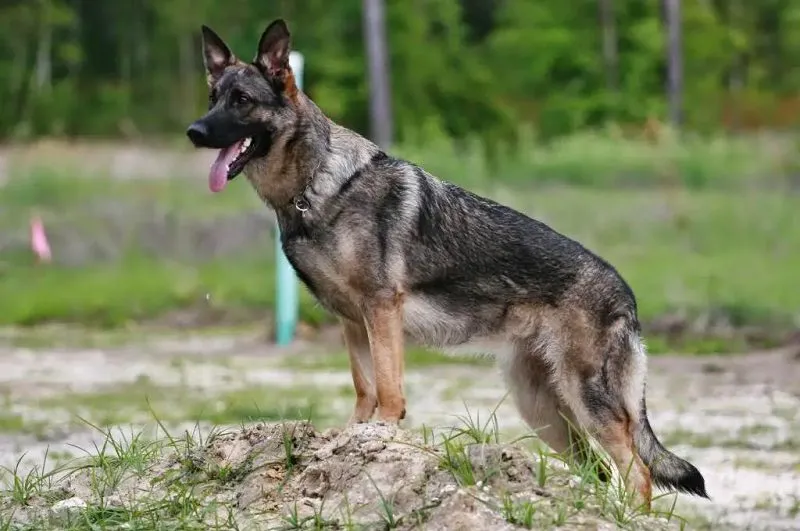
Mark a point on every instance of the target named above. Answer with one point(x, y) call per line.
point(198, 134)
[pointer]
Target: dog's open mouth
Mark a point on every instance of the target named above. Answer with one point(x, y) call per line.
point(230, 162)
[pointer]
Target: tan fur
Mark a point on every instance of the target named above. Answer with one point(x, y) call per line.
point(617, 439)
point(538, 402)
point(281, 176)
point(384, 325)
point(274, 177)
point(291, 85)
point(357, 342)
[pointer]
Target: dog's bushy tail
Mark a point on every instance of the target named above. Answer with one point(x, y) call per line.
point(666, 469)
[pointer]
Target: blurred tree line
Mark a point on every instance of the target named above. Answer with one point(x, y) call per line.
point(458, 67)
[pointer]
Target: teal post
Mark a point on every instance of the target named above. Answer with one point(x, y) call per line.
point(287, 306)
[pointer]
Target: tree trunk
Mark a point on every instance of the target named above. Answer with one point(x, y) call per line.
point(674, 62)
point(380, 104)
point(44, 57)
point(608, 24)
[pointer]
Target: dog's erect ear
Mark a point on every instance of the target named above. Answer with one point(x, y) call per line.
point(216, 54)
point(273, 50)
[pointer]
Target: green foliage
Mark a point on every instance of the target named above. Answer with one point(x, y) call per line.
point(461, 67)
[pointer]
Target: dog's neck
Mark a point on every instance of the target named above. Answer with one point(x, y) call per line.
point(309, 162)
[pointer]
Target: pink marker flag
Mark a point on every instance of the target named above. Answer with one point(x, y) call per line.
point(39, 243)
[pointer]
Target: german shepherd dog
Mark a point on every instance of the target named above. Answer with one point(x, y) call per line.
point(391, 250)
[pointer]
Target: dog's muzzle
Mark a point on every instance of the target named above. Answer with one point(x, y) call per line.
point(198, 134)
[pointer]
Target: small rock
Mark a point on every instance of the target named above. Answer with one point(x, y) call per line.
point(113, 501)
point(323, 453)
point(331, 433)
point(316, 482)
point(371, 447)
point(64, 508)
point(333, 447)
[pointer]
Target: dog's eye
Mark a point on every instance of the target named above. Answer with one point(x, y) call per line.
point(243, 98)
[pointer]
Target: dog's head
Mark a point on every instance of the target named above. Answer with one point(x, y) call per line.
point(249, 104)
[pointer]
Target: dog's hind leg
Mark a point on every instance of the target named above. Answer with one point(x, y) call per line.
point(615, 434)
point(357, 342)
point(529, 378)
point(604, 393)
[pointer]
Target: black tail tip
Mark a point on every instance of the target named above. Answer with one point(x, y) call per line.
point(695, 484)
point(691, 481)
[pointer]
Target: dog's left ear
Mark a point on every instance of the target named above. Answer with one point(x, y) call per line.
point(273, 50)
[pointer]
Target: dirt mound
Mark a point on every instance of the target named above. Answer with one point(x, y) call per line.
point(289, 476)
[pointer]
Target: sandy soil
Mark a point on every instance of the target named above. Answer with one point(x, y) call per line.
point(736, 417)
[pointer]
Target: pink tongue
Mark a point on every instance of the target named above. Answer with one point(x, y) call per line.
point(218, 176)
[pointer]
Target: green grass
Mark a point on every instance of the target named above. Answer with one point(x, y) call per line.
point(115, 295)
point(722, 247)
point(11, 422)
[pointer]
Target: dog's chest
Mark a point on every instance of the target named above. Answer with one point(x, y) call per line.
point(326, 276)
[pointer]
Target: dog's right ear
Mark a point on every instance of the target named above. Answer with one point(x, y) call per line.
point(273, 50)
point(216, 54)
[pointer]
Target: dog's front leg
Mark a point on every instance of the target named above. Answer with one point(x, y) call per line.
point(357, 342)
point(384, 322)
